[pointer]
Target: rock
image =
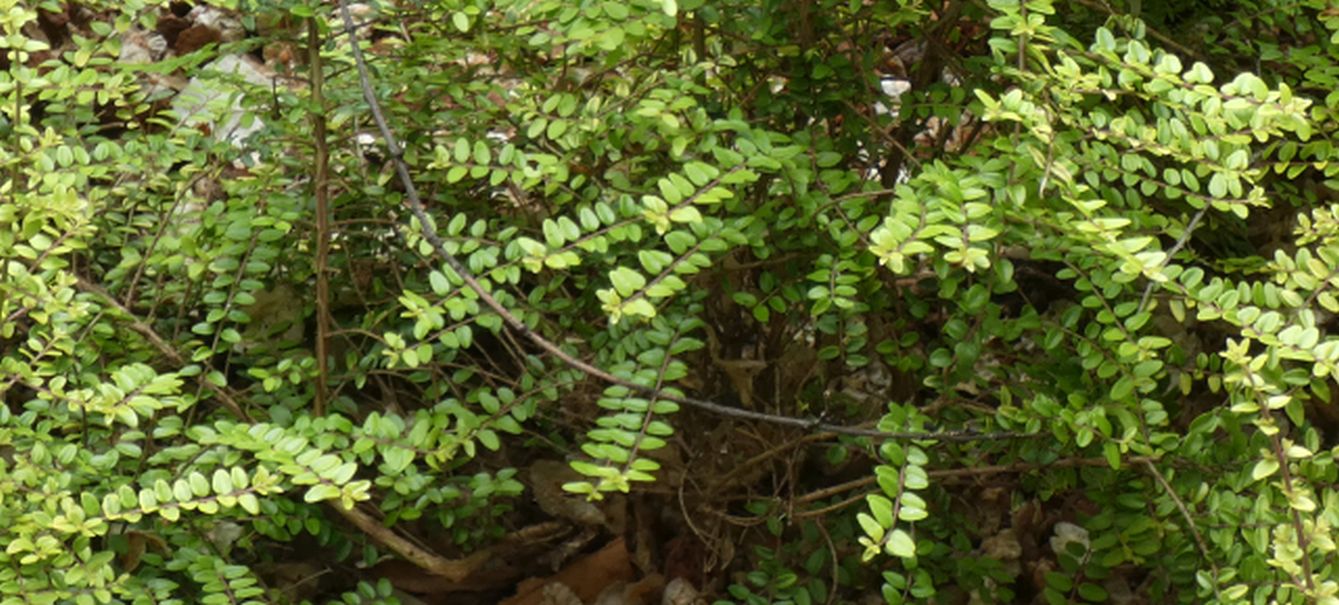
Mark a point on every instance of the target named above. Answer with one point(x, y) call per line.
point(1067, 533)
point(139, 46)
point(206, 99)
point(228, 27)
point(680, 592)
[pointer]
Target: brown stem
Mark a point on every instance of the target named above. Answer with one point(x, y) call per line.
point(451, 569)
point(321, 187)
point(1289, 489)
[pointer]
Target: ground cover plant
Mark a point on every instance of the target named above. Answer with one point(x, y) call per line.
point(538, 301)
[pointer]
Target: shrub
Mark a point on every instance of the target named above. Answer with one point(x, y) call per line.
point(1056, 255)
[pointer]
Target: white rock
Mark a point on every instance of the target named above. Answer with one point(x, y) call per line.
point(894, 87)
point(206, 99)
point(139, 46)
point(228, 27)
point(1067, 533)
point(680, 592)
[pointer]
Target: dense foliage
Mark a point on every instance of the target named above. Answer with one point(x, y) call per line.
point(1083, 253)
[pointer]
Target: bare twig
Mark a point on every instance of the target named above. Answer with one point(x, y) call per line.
point(415, 205)
point(1171, 253)
point(1190, 521)
point(756, 461)
point(164, 222)
point(452, 569)
point(1166, 40)
point(971, 471)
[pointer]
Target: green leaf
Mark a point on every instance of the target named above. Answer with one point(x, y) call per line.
point(321, 492)
point(626, 281)
point(1092, 592)
point(900, 544)
point(616, 10)
point(882, 509)
point(871, 527)
point(199, 485)
point(440, 285)
point(1264, 467)
point(222, 482)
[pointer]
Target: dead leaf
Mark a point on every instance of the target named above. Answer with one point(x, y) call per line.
point(194, 38)
point(587, 577)
point(137, 543)
point(170, 28)
point(1003, 546)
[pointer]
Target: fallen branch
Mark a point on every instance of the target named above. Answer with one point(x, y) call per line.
point(453, 570)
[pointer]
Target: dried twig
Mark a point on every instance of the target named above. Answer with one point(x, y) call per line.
point(971, 471)
point(454, 570)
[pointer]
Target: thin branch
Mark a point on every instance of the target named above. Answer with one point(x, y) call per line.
point(836, 563)
point(1180, 243)
point(971, 471)
point(1190, 521)
point(164, 348)
point(1166, 40)
point(415, 204)
point(164, 222)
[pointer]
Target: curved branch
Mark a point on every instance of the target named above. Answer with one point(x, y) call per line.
point(415, 204)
